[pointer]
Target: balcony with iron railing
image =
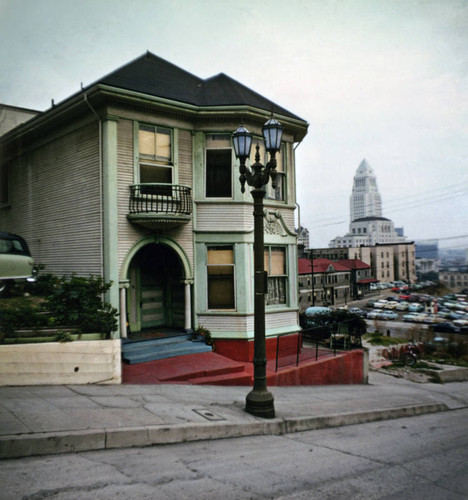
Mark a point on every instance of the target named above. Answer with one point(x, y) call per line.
point(160, 205)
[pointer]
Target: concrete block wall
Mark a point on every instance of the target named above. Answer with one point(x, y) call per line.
point(56, 363)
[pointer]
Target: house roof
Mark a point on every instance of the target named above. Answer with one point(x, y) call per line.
point(152, 75)
point(320, 266)
point(354, 264)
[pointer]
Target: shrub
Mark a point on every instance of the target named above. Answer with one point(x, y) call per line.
point(77, 301)
point(71, 301)
point(20, 315)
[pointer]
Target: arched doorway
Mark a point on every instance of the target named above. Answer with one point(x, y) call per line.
point(155, 297)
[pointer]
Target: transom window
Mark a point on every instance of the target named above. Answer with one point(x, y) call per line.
point(220, 272)
point(275, 265)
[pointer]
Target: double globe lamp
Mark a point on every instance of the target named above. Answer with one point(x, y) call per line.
point(259, 401)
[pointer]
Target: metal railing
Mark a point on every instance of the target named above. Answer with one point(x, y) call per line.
point(293, 352)
point(160, 199)
point(316, 342)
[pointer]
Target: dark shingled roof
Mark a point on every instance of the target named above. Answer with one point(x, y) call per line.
point(149, 74)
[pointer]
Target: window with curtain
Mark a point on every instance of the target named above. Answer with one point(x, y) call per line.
point(220, 273)
point(155, 158)
point(275, 265)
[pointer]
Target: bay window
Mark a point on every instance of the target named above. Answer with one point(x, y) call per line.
point(275, 265)
point(220, 273)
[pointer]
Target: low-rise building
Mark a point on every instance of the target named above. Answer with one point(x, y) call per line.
point(456, 281)
point(323, 283)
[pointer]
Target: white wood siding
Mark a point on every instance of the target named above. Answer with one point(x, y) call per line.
point(224, 217)
point(237, 326)
point(130, 234)
point(56, 203)
point(229, 216)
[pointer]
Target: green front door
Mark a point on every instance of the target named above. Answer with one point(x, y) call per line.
point(155, 298)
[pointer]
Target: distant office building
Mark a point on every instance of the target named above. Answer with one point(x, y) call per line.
point(365, 198)
point(367, 226)
point(427, 249)
point(303, 237)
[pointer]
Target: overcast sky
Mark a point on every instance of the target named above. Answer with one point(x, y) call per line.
point(382, 80)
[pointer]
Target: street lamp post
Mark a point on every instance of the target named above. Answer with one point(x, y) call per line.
point(259, 401)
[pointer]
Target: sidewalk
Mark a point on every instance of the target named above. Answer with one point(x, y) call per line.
point(39, 420)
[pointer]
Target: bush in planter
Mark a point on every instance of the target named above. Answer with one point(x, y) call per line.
point(77, 301)
point(20, 315)
point(71, 302)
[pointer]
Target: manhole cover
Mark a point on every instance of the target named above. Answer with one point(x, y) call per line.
point(208, 414)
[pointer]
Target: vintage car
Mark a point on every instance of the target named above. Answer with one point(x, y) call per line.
point(16, 263)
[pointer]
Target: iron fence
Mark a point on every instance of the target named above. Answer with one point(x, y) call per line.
point(314, 343)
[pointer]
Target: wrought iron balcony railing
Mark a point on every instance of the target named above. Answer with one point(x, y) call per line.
point(156, 204)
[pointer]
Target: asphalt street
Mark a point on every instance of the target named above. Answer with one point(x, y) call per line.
point(423, 457)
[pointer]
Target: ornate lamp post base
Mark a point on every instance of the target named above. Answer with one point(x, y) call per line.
point(260, 403)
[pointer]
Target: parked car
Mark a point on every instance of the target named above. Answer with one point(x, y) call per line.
point(415, 317)
point(16, 263)
point(387, 315)
point(373, 314)
point(415, 308)
point(446, 328)
point(390, 304)
point(379, 304)
point(402, 306)
point(359, 312)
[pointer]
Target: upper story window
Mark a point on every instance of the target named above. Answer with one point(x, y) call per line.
point(155, 155)
point(279, 193)
point(155, 143)
point(218, 163)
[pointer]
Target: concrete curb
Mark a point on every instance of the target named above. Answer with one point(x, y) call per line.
point(26, 445)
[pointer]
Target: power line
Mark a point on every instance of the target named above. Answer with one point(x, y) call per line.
point(453, 191)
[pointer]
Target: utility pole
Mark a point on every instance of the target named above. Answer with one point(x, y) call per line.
point(312, 275)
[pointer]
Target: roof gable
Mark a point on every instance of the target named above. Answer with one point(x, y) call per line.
point(149, 74)
point(152, 75)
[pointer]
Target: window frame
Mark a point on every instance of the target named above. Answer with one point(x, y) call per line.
point(285, 277)
point(270, 194)
point(233, 265)
point(142, 159)
point(224, 148)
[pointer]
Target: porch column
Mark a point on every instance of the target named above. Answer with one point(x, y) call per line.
point(123, 308)
point(188, 306)
point(110, 210)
